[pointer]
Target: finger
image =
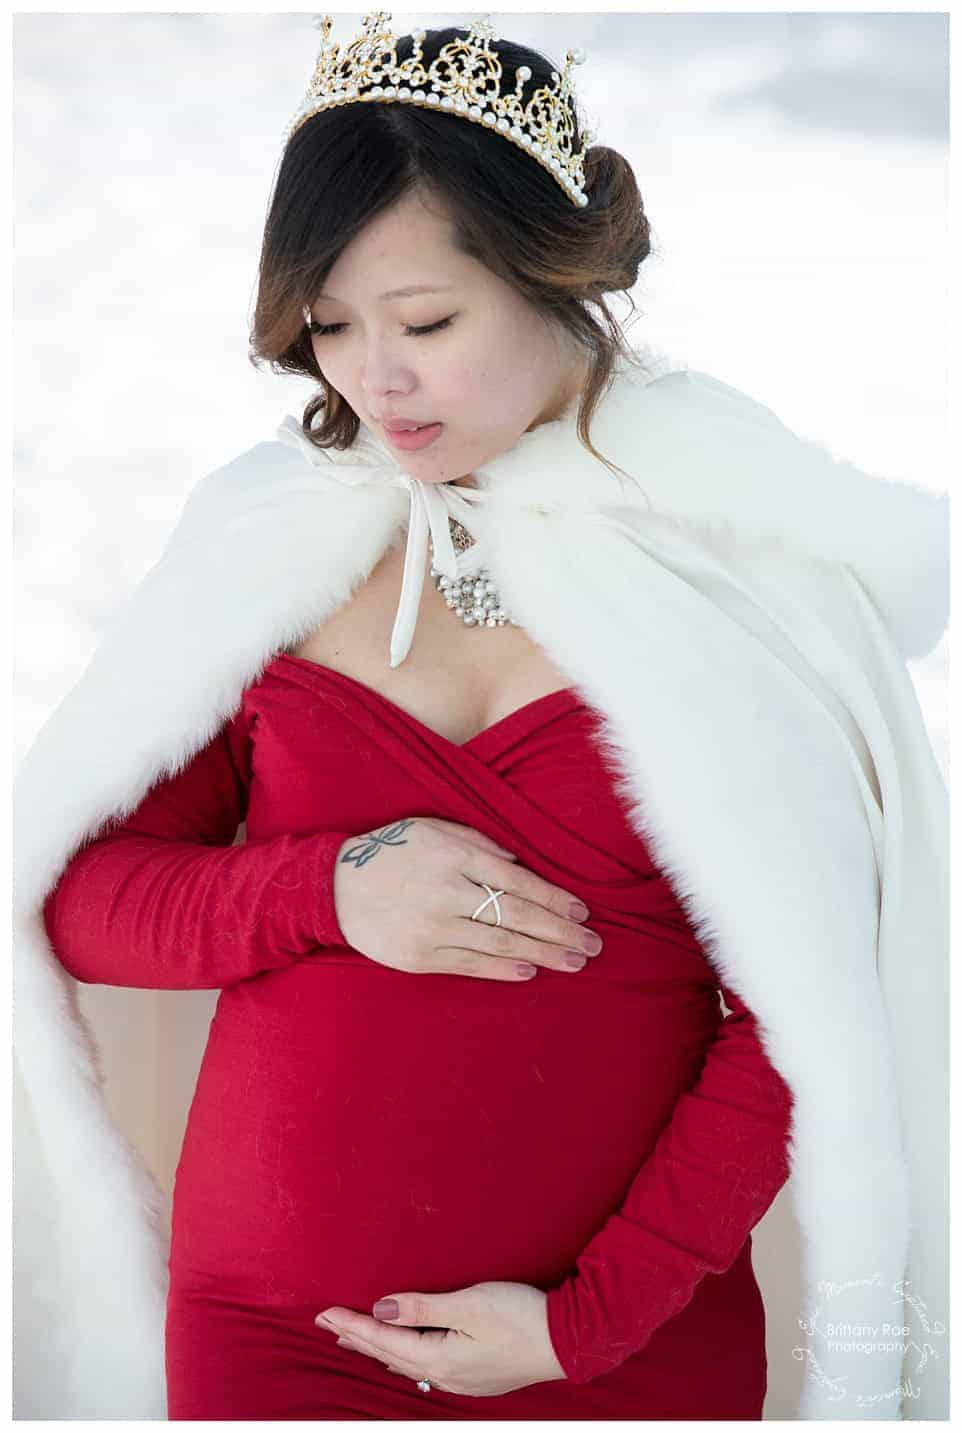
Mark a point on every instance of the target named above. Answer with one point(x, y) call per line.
point(360, 1345)
point(531, 925)
point(459, 960)
point(509, 951)
point(388, 1340)
point(527, 884)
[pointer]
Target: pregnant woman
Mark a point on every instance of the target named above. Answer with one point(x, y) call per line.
point(474, 1136)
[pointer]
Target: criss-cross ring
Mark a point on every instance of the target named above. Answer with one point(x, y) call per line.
point(491, 896)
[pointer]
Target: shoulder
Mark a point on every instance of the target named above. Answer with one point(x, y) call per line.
point(724, 459)
point(244, 481)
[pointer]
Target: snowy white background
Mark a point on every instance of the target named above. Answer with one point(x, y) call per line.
point(795, 171)
point(794, 168)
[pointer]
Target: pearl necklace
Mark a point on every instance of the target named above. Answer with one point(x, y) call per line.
point(474, 599)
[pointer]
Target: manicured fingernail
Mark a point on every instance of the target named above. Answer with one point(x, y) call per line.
point(386, 1309)
point(578, 911)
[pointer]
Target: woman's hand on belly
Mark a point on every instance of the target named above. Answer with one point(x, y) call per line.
point(406, 896)
point(484, 1340)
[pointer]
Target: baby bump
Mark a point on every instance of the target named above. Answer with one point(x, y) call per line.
point(357, 1129)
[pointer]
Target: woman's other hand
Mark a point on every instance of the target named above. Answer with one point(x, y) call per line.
point(484, 1340)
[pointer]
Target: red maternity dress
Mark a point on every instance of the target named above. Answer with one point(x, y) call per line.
point(606, 1134)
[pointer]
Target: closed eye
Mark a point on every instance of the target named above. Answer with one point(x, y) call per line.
point(324, 330)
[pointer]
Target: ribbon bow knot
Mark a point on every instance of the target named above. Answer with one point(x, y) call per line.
point(431, 507)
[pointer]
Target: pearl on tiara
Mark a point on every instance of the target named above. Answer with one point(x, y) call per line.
point(464, 79)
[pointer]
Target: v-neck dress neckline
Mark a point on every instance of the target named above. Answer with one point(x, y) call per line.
point(486, 743)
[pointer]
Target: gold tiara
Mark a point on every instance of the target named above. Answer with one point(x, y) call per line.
point(464, 80)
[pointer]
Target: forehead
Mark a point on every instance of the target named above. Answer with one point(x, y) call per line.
point(407, 249)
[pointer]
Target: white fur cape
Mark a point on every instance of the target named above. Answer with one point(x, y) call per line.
point(742, 620)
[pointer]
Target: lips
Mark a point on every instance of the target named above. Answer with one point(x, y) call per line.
point(410, 442)
point(402, 425)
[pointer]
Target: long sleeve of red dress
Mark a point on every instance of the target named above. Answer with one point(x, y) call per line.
point(165, 901)
point(714, 1171)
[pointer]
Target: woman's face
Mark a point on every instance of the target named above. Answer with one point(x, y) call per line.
point(492, 370)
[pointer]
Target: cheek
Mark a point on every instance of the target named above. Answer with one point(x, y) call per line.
point(493, 384)
point(511, 397)
point(342, 379)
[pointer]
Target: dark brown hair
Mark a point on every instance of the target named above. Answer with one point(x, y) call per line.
point(348, 163)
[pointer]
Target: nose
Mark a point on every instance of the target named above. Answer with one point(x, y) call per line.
point(386, 382)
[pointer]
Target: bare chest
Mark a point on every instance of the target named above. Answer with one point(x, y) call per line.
point(457, 680)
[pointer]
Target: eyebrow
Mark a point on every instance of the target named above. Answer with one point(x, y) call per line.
point(398, 293)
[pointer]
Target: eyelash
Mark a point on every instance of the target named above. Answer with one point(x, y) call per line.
point(324, 330)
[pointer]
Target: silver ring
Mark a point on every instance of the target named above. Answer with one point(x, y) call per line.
point(424, 1385)
point(491, 896)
